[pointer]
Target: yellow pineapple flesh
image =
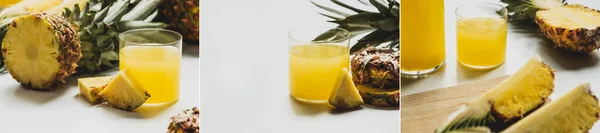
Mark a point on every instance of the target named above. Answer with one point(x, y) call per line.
point(345, 95)
point(507, 102)
point(573, 27)
point(574, 112)
point(124, 92)
point(40, 50)
point(90, 88)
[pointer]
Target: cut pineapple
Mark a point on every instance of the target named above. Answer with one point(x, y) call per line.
point(508, 101)
point(40, 50)
point(124, 92)
point(573, 27)
point(574, 112)
point(345, 95)
point(90, 88)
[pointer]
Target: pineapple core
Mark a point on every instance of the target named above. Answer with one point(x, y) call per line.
point(571, 17)
point(31, 52)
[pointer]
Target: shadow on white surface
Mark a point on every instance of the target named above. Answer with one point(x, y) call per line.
point(152, 111)
point(192, 50)
point(565, 59)
point(309, 109)
point(120, 113)
point(559, 58)
point(41, 97)
point(465, 73)
point(407, 81)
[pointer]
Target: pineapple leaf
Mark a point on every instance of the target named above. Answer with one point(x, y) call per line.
point(362, 19)
point(388, 24)
point(142, 10)
point(330, 9)
point(116, 11)
point(348, 7)
point(381, 6)
point(375, 38)
point(151, 16)
point(329, 35)
point(332, 17)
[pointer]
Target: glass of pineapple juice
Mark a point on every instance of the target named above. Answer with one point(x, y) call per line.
point(315, 65)
point(422, 45)
point(153, 57)
point(481, 30)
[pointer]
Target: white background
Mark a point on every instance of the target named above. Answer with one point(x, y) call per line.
point(571, 69)
point(245, 73)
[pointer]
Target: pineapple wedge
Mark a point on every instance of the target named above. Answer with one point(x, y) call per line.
point(345, 95)
point(574, 112)
point(90, 88)
point(124, 92)
point(507, 102)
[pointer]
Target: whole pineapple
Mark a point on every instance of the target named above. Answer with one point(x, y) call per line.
point(43, 60)
point(183, 16)
point(188, 121)
point(573, 27)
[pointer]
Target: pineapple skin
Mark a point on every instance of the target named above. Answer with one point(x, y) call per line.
point(69, 47)
point(574, 112)
point(183, 16)
point(580, 40)
point(187, 121)
point(376, 73)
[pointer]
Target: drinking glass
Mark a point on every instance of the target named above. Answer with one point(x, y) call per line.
point(153, 58)
point(316, 60)
point(481, 35)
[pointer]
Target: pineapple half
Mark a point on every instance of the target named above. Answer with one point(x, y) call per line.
point(573, 27)
point(187, 121)
point(40, 50)
point(345, 95)
point(90, 88)
point(507, 102)
point(574, 112)
point(376, 74)
point(124, 92)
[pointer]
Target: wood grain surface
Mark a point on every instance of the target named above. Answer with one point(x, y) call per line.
point(424, 112)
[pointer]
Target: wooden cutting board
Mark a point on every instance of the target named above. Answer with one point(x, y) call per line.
point(424, 112)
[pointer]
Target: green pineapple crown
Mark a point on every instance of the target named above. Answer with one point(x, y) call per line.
point(384, 24)
point(99, 23)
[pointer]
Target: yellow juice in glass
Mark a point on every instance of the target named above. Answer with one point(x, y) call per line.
point(8, 2)
point(314, 69)
point(422, 43)
point(157, 67)
point(481, 41)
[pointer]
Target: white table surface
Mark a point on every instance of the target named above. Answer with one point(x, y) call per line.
point(63, 111)
point(245, 73)
point(571, 69)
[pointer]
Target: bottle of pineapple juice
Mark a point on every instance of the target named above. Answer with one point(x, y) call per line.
point(422, 44)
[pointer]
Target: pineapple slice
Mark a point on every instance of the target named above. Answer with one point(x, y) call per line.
point(345, 95)
point(124, 92)
point(574, 112)
point(41, 50)
point(573, 27)
point(90, 88)
point(507, 102)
